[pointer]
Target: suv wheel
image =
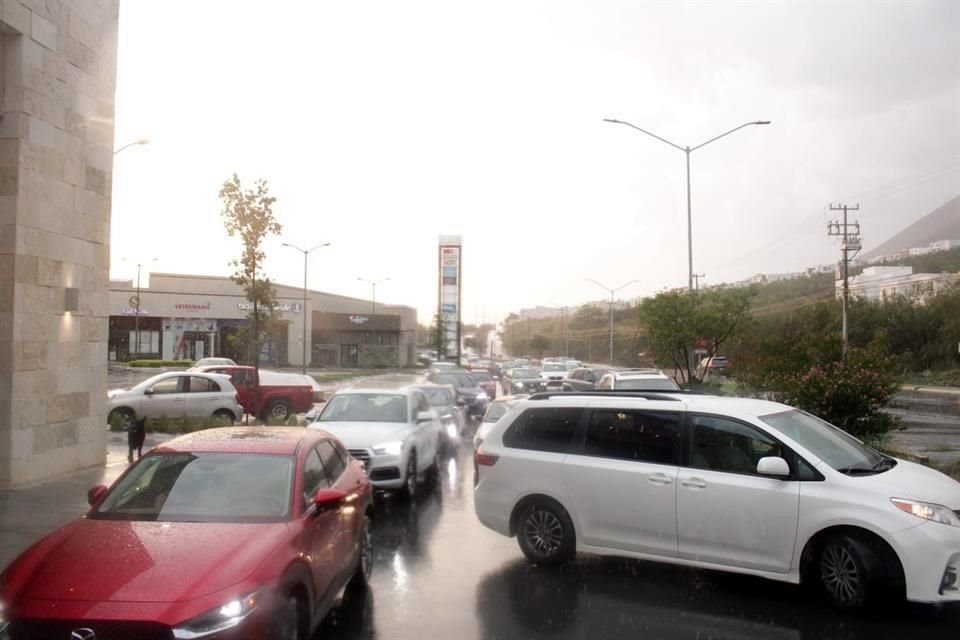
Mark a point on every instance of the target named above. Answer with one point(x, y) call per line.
point(546, 534)
point(410, 482)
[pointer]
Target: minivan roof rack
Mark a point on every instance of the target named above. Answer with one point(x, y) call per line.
point(642, 395)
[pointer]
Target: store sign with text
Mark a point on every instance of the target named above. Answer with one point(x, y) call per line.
point(449, 289)
point(296, 307)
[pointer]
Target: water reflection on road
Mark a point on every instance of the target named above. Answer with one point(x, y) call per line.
point(440, 574)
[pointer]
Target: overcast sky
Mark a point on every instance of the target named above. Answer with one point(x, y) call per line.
point(381, 125)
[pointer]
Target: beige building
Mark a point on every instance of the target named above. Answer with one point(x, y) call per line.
point(187, 317)
point(56, 160)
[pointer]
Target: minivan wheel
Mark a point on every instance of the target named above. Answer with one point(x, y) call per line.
point(850, 573)
point(546, 534)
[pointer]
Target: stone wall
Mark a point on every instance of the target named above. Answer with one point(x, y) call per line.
point(56, 160)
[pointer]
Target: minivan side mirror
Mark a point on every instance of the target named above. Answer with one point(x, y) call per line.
point(95, 494)
point(773, 466)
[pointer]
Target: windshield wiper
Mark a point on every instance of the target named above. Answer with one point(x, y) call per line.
point(857, 471)
point(885, 464)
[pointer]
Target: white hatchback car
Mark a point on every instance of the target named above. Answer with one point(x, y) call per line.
point(176, 395)
point(393, 431)
point(637, 379)
point(734, 484)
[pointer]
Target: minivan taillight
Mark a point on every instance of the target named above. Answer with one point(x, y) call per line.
point(485, 459)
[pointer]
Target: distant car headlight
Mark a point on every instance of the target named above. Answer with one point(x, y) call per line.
point(389, 448)
point(519, 385)
point(927, 511)
point(227, 616)
point(482, 395)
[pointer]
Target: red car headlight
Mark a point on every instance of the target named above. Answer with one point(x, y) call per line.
point(227, 616)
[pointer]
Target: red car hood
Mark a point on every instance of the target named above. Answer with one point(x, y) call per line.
point(120, 561)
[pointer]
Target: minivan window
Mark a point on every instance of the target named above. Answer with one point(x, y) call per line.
point(546, 429)
point(641, 436)
point(719, 444)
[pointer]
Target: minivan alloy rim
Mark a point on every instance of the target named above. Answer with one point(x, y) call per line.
point(544, 532)
point(839, 572)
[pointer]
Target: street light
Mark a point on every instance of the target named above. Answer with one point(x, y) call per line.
point(612, 291)
point(373, 283)
point(136, 319)
point(305, 252)
point(688, 150)
point(135, 143)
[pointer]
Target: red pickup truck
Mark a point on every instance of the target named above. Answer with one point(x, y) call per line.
point(275, 396)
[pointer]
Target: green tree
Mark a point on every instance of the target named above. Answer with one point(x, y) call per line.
point(538, 344)
point(676, 321)
point(249, 214)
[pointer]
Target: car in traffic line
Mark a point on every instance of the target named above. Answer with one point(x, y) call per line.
point(584, 378)
point(485, 381)
point(239, 532)
point(474, 398)
point(638, 380)
point(450, 410)
point(393, 431)
point(521, 380)
point(176, 395)
point(553, 374)
point(497, 409)
point(732, 484)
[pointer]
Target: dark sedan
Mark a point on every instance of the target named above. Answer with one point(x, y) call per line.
point(474, 398)
point(227, 533)
point(584, 378)
point(522, 380)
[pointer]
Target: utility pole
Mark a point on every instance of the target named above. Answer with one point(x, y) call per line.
point(849, 232)
point(696, 280)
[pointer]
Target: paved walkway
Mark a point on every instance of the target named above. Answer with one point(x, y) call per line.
point(28, 513)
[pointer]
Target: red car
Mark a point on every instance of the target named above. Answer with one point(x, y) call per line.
point(226, 533)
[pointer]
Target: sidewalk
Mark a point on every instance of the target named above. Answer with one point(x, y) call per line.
point(29, 513)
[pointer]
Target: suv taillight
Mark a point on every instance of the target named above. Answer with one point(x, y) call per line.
point(485, 459)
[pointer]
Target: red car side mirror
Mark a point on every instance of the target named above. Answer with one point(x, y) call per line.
point(95, 494)
point(328, 499)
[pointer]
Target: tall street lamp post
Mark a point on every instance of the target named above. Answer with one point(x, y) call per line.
point(688, 150)
point(132, 144)
point(612, 291)
point(305, 252)
point(373, 284)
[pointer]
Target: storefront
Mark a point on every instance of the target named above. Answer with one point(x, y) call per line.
point(182, 317)
point(356, 340)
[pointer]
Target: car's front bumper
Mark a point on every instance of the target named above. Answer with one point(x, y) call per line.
point(930, 553)
point(384, 471)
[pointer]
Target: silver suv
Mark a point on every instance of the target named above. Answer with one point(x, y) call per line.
point(638, 380)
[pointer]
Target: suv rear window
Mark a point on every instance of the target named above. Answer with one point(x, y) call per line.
point(544, 429)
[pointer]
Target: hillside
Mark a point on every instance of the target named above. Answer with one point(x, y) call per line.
point(940, 224)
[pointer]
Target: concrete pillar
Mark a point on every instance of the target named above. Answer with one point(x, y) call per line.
point(57, 81)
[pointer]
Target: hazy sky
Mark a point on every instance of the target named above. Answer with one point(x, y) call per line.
point(381, 125)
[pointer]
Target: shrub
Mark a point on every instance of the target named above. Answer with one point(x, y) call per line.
point(160, 363)
point(848, 392)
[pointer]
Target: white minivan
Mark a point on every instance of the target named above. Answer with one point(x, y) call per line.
point(734, 484)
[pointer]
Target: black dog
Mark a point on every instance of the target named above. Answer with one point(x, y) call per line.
point(136, 434)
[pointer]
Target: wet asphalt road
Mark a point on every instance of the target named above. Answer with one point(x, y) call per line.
point(440, 574)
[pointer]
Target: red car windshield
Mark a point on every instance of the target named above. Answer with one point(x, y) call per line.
point(203, 487)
